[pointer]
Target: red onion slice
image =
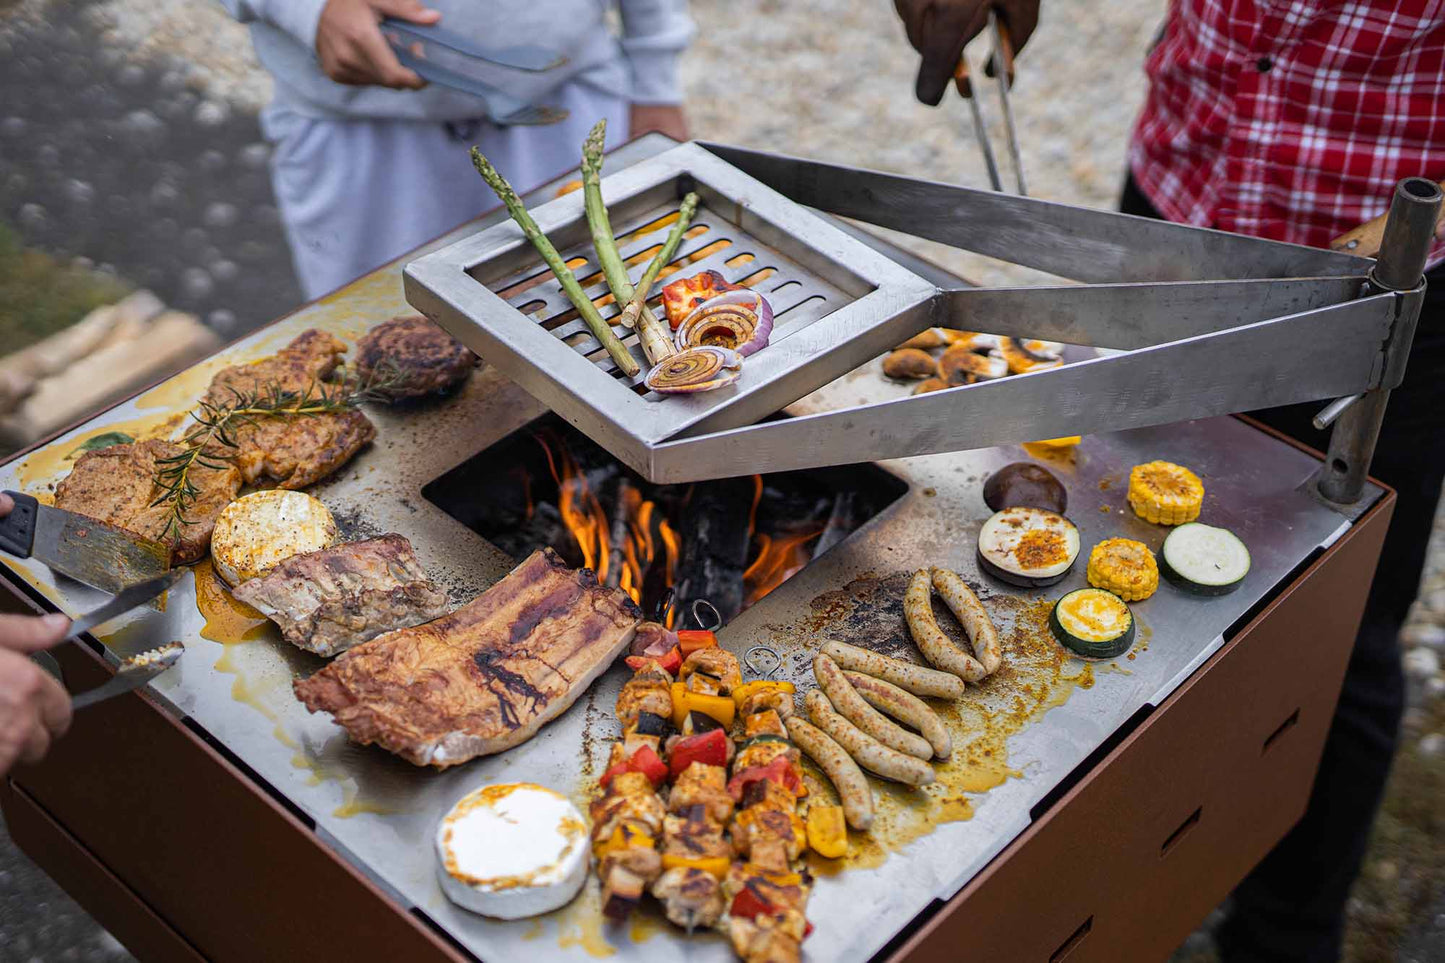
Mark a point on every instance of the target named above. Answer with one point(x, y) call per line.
point(739, 320)
point(701, 368)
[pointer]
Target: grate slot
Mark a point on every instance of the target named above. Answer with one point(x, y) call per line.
point(711, 244)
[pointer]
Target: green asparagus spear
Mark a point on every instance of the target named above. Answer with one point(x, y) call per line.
point(669, 249)
point(588, 311)
point(650, 332)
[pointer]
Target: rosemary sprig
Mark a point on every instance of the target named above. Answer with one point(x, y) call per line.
point(207, 442)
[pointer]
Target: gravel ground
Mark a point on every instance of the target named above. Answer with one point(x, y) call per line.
point(140, 121)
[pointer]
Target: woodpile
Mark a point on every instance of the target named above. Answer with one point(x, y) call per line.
point(107, 355)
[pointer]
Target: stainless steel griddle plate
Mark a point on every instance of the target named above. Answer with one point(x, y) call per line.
point(838, 302)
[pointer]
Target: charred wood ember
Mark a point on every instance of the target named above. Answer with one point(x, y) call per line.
point(716, 540)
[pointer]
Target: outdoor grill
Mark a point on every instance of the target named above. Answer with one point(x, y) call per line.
point(1097, 813)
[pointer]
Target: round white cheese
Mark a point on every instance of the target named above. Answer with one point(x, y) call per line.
point(512, 850)
point(256, 533)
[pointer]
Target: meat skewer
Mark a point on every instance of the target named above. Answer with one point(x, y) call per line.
point(767, 893)
point(629, 818)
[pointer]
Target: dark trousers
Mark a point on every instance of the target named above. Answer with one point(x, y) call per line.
point(1291, 907)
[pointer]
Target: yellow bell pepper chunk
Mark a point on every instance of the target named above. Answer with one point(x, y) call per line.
point(721, 708)
point(827, 831)
point(624, 837)
point(713, 865)
point(742, 692)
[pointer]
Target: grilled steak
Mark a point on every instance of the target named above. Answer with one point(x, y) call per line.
point(328, 601)
point(421, 357)
point(117, 485)
point(291, 452)
point(484, 678)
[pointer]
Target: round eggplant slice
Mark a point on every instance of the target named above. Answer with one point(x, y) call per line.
point(1093, 623)
point(1029, 547)
point(1025, 485)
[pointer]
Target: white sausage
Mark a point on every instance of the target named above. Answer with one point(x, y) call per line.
point(855, 709)
point(906, 708)
point(865, 750)
point(935, 646)
point(918, 679)
point(847, 778)
point(972, 616)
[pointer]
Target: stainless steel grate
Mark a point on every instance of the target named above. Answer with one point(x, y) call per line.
point(838, 301)
point(798, 296)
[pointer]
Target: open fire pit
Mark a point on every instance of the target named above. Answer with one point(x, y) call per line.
point(730, 541)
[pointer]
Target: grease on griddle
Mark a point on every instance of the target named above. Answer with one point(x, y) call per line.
point(1036, 676)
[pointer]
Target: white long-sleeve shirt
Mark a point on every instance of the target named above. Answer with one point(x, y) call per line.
point(640, 65)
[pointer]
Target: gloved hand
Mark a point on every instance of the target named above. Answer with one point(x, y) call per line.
point(34, 708)
point(352, 50)
point(938, 29)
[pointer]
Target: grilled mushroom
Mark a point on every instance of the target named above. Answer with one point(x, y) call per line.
point(961, 366)
point(909, 363)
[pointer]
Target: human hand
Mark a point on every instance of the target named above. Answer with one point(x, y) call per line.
point(352, 50)
point(34, 708)
point(665, 118)
point(939, 29)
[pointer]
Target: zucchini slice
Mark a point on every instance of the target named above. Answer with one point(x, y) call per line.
point(1203, 559)
point(1030, 547)
point(1093, 623)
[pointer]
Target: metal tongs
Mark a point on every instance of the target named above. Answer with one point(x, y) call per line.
point(1003, 64)
point(452, 60)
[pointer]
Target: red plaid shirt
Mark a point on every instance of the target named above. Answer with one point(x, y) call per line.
point(1291, 119)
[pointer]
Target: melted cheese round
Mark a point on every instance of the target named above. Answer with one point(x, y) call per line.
point(256, 533)
point(1029, 541)
point(512, 850)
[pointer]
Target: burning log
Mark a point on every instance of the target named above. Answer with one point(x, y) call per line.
point(716, 536)
point(621, 513)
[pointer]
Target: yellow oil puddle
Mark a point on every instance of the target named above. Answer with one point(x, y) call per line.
point(1037, 675)
point(644, 926)
point(580, 923)
point(229, 621)
point(534, 930)
point(42, 468)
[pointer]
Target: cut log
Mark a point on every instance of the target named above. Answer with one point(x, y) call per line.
point(715, 544)
point(167, 344)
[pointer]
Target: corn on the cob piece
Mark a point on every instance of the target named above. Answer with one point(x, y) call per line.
point(1124, 567)
point(1164, 493)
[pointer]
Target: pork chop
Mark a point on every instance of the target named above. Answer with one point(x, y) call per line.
point(484, 678)
point(118, 485)
point(330, 600)
point(299, 451)
point(421, 357)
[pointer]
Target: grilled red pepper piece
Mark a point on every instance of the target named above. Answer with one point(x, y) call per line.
point(670, 663)
point(690, 640)
point(709, 748)
point(778, 771)
point(643, 760)
point(748, 904)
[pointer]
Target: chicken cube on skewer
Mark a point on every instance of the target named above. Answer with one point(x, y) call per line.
point(690, 897)
point(703, 785)
point(711, 671)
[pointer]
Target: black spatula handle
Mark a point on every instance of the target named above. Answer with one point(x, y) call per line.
point(17, 530)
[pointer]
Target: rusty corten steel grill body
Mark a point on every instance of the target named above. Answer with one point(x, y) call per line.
point(331, 843)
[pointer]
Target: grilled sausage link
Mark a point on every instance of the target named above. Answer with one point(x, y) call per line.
point(906, 708)
point(853, 707)
point(835, 762)
point(865, 750)
point(936, 647)
point(972, 616)
point(918, 679)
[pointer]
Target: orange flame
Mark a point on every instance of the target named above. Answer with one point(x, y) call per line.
point(778, 560)
point(650, 538)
